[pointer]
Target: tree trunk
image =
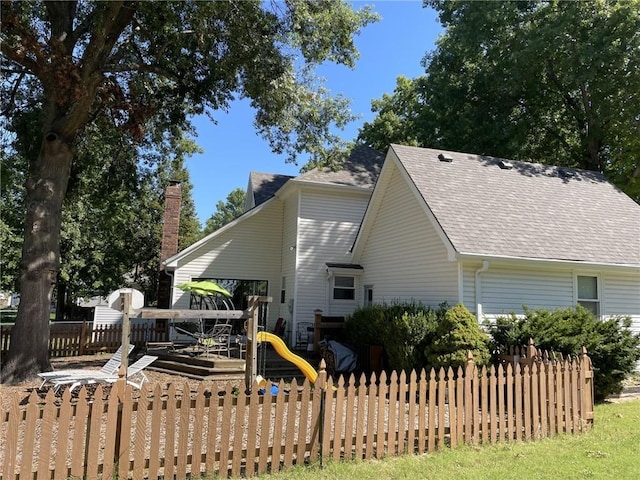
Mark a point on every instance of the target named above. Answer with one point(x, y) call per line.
point(45, 190)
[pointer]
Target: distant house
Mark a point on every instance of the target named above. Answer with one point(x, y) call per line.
point(438, 226)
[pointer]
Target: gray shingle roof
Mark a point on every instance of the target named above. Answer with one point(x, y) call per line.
point(531, 210)
point(265, 185)
point(361, 169)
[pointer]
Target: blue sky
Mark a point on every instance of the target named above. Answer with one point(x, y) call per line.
point(391, 47)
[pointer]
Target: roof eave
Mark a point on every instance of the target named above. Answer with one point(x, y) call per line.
point(342, 186)
point(557, 262)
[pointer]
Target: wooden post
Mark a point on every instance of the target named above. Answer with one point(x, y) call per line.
point(586, 388)
point(125, 299)
point(83, 338)
point(317, 320)
point(532, 353)
point(251, 365)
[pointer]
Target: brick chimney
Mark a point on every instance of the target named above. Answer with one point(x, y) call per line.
point(169, 246)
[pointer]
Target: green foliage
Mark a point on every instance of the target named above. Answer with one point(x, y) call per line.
point(364, 326)
point(611, 345)
point(554, 82)
point(226, 211)
point(137, 72)
point(401, 328)
point(398, 116)
point(457, 334)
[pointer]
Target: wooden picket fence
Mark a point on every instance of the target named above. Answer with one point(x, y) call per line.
point(73, 339)
point(161, 432)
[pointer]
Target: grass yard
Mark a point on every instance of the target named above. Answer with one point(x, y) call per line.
point(611, 450)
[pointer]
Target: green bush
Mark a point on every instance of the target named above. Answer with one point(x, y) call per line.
point(364, 326)
point(401, 328)
point(612, 347)
point(457, 334)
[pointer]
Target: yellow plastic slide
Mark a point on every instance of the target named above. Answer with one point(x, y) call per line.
point(282, 350)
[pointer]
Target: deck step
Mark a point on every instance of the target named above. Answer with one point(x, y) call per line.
point(216, 367)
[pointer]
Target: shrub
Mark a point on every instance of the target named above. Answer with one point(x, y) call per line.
point(364, 326)
point(612, 347)
point(401, 328)
point(405, 334)
point(457, 333)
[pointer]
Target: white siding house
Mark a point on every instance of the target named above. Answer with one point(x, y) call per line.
point(249, 248)
point(292, 229)
point(429, 226)
point(403, 256)
point(498, 235)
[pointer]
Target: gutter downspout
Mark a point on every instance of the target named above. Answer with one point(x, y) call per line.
point(484, 268)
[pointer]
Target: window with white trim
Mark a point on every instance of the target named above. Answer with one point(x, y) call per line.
point(588, 293)
point(344, 288)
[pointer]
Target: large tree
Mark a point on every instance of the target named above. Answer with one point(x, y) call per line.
point(226, 211)
point(112, 215)
point(555, 82)
point(112, 212)
point(133, 62)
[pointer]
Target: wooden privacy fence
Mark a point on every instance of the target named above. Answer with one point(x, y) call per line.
point(165, 433)
point(73, 339)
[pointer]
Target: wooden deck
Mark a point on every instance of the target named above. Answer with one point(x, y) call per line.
point(193, 364)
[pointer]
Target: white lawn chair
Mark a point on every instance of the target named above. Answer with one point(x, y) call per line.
point(135, 376)
point(109, 368)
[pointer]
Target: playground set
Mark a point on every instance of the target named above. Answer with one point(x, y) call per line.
point(209, 328)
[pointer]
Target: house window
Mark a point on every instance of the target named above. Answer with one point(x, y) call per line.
point(344, 288)
point(588, 293)
point(368, 295)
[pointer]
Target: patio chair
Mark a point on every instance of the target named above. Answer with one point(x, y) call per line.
point(109, 368)
point(217, 340)
point(135, 376)
point(304, 335)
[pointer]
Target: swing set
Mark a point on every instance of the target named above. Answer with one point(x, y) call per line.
point(208, 295)
point(256, 334)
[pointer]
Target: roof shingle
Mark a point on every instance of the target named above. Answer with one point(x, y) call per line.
point(529, 211)
point(361, 169)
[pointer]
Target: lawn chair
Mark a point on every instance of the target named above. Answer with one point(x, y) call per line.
point(109, 368)
point(135, 376)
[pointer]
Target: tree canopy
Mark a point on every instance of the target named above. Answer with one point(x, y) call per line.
point(552, 82)
point(145, 68)
point(226, 211)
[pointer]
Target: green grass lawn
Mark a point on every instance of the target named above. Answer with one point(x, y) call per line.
point(8, 316)
point(611, 450)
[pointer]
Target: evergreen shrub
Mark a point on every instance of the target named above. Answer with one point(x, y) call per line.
point(458, 333)
point(613, 348)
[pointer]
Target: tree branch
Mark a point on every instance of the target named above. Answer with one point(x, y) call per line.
point(61, 15)
point(115, 18)
point(28, 52)
point(569, 100)
point(80, 30)
point(140, 67)
point(12, 97)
